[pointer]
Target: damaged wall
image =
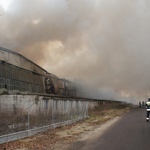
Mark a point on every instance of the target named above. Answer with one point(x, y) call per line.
point(23, 112)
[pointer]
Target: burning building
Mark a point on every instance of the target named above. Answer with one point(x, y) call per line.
point(19, 73)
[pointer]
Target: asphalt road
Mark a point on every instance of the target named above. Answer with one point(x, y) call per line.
point(130, 132)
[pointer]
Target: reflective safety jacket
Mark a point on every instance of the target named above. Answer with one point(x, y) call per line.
point(148, 106)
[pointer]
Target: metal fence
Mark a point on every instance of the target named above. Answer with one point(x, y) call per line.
point(20, 123)
point(23, 134)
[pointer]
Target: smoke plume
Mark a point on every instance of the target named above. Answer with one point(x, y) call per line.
point(103, 43)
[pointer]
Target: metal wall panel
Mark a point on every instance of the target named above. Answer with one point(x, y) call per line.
point(14, 78)
point(18, 60)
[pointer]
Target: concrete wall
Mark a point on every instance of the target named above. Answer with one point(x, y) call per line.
point(37, 104)
point(24, 112)
point(21, 112)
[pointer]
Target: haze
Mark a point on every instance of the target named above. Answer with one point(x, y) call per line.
point(103, 43)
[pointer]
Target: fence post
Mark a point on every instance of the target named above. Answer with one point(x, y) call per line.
point(52, 110)
point(28, 120)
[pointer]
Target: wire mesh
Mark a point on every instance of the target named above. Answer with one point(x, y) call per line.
point(21, 116)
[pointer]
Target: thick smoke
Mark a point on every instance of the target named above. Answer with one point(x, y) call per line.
point(103, 43)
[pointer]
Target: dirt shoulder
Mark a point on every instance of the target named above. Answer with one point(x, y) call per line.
point(61, 138)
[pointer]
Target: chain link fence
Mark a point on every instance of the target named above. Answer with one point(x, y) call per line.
point(22, 119)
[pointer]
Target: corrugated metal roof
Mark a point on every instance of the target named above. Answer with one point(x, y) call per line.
point(15, 53)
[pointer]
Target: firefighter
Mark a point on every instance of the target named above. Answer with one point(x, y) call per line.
point(148, 109)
